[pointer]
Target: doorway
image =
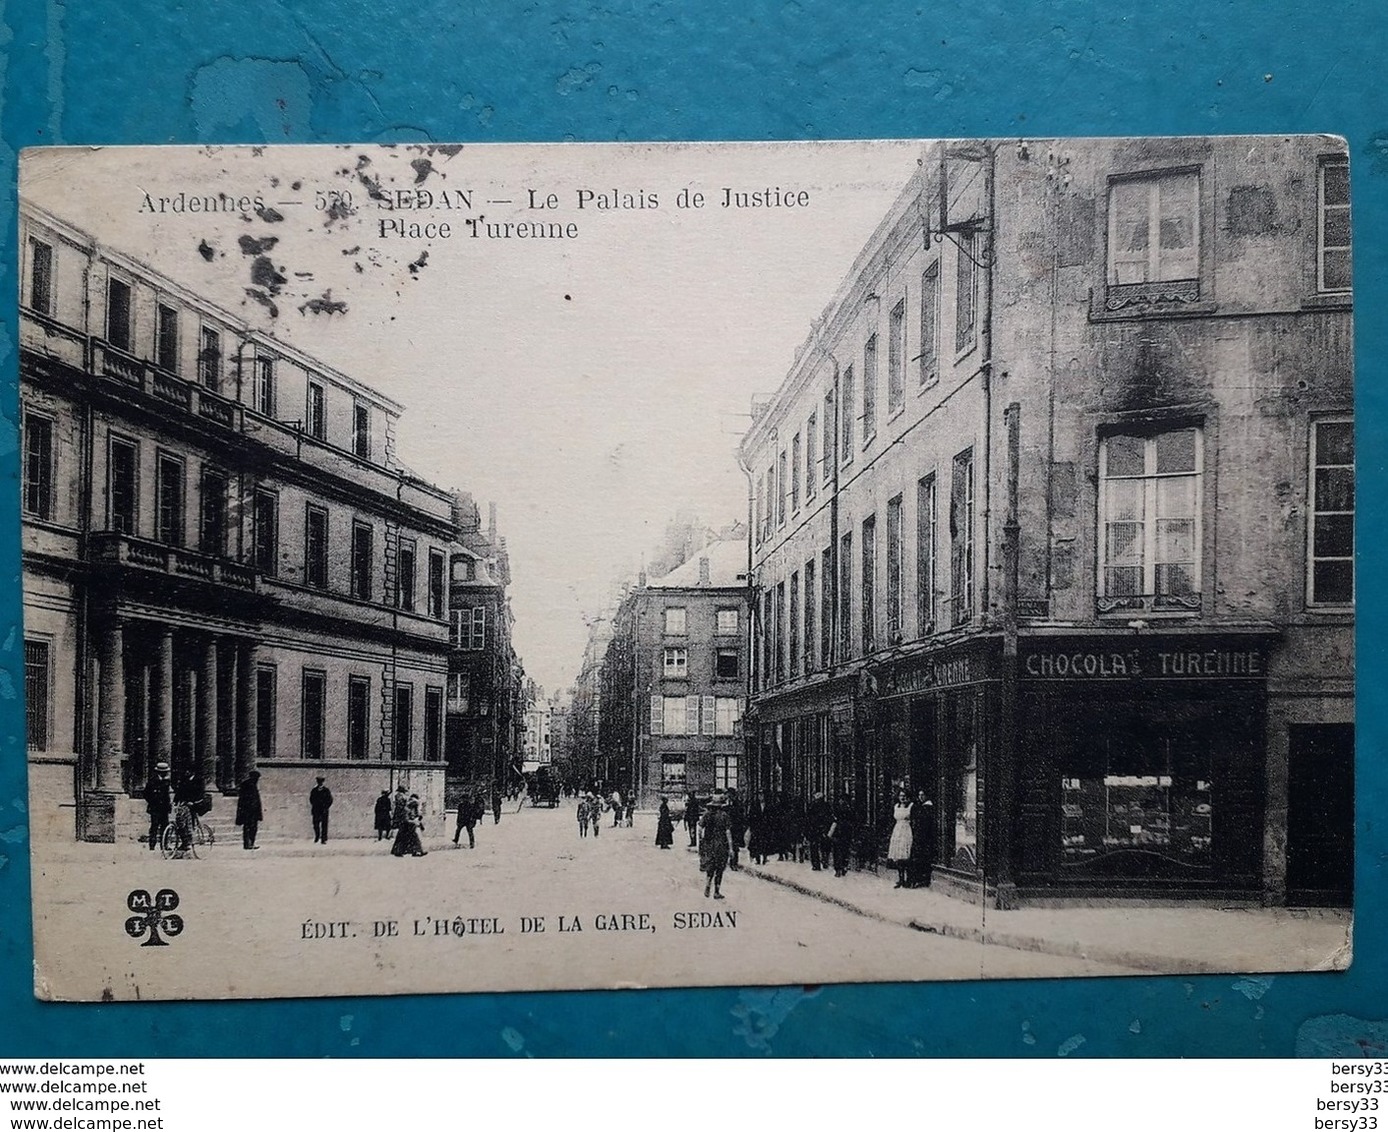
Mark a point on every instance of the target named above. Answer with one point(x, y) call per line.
point(1320, 814)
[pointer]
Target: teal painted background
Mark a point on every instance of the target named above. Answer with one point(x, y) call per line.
point(445, 70)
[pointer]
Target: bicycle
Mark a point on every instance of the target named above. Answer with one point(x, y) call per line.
point(197, 834)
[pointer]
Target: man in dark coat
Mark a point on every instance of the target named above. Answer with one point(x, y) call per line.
point(737, 823)
point(691, 818)
point(249, 812)
point(841, 835)
point(818, 818)
point(714, 845)
point(188, 790)
point(383, 808)
point(320, 801)
point(158, 802)
point(468, 811)
point(496, 806)
point(922, 841)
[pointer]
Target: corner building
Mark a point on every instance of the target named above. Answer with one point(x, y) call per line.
point(225, 565)
point(1054, 517)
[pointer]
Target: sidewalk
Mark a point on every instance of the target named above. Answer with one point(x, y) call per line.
point(1167, 940)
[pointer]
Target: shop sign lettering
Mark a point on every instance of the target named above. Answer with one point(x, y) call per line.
point(1136, 664)
point(949, 672)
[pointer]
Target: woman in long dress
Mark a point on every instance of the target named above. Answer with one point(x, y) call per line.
point(664, 827)
point(715, 845)
point(899, 848)
point(407, 840)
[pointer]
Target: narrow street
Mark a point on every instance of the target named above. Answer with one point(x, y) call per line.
point(457, 914)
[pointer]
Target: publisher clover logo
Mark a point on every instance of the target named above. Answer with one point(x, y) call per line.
point(152, 916)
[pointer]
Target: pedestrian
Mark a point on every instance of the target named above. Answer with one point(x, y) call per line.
point(496, 806)
point(737, 824)
point(188, 794)
point(383, 810)
point(714, 847)
point(899, 846)
point(631, 811)
point(691, 818)
point(756, 832)
point(617, 808)
point(841, 835)
point(249, 812)
point(583, 816)
point(467, 820)
point(664, 827)
point(409, 822)
point(320, 801)
point(158, 802)
point(818, 818)
point(595, 808)
point(922, 840)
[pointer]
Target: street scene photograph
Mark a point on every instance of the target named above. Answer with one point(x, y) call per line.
point(524, 567)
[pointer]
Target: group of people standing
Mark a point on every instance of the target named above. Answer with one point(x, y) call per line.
point(591, 808)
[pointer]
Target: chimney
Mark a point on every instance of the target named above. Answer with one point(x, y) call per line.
point(491, 522)
point(703, 572)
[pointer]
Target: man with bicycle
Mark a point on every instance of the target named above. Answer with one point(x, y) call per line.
point(158, 802)
point(187, 796)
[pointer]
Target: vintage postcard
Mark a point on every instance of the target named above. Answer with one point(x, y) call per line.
point(470, 568)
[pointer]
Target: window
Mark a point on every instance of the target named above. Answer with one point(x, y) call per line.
point(894, 634)
point(1153, 228)
point(675, 622)
point(961, 539)
point(118, 313)
point(675, 663)
point(809, 637)
point(846, 596)
point(781, 489)
point(826, 458)
point(470, 627)
point(769, 515)
point(966, 290)
point(122, 492)
point(896, 357)
point(846, 399)
point(725, 772)
point(1331, 580)
point(266, 695)
point(166, 338)
point(759, 519)
point(171, 495)
point(764, 634)
point(358, 716)
point(795, 473)
point(780, 631)
point(316, 547)
point(36, 682)
point(361, 431)
point(210, 358)
point(40, 276)
point(727, 711)
point(925, 555)
point(363, 560)
point(708, 723)
point(265, 386)
point(1333, 228)
point(869, 581)
point(930, 325)
point(811, 477)
point(265, 524)
point(213, 526)
point(459, 691)
point(315, 423)
point(1149, 504)
point(793, 627)
point(437, 594)
point(433, 725)
point(826, 607)
point(727, 622)
point(38, 466)
point(726, 664)
point(311, 721)
point(674, 715)
point(404, 722)
point(672, 774)
point(405, 575)
point(869, 388)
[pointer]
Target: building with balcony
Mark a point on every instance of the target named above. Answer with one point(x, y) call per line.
point(673, 679)
point(225, 565)
point(1053, 520)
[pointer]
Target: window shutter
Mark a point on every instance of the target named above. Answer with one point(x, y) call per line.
point(708, 716)
point(691, 717)
point(657, 715)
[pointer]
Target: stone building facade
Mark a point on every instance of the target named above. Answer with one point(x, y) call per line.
point(1053, 520)
point(225, 565)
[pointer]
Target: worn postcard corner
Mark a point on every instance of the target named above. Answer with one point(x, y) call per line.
point(470, 568)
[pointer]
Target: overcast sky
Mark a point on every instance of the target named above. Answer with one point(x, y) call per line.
point(589, 386)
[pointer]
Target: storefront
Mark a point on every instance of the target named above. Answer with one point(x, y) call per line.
point(936, 731)
point(1141, 765)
